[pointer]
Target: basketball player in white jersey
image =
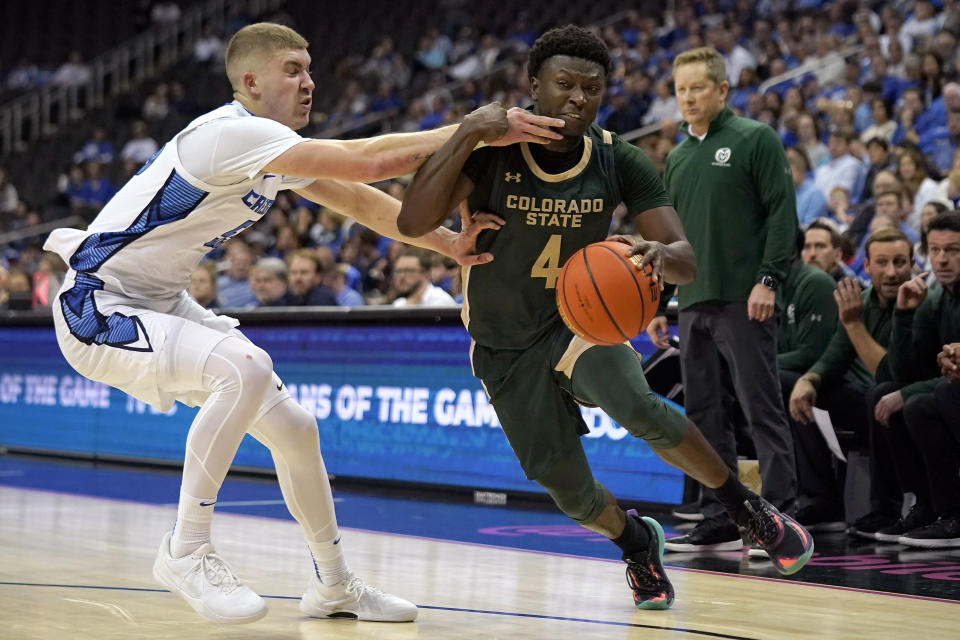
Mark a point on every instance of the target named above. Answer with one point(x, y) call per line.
point(123, 317)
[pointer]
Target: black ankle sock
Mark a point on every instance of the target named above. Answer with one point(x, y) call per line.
point(732, 494)
point(635, 536)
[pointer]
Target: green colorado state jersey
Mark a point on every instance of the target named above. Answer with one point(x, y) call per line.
point(510, 302)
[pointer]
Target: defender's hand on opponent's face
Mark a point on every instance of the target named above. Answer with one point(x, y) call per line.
point(500, 127)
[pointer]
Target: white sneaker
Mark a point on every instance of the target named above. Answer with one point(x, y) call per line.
point(208, 584)
point(352, 599)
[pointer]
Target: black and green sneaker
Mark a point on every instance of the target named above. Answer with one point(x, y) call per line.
point(784, 539)
point(645, 574)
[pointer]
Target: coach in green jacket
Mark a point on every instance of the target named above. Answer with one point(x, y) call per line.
point(732, 186)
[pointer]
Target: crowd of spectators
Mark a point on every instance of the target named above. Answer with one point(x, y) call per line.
point(871, 99)
point(870, 88)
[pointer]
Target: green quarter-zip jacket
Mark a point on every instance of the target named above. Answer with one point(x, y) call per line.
point(809, 317)
point(734, 193)
point(918, 336)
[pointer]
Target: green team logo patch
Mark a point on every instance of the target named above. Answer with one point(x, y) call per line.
point(722, 157)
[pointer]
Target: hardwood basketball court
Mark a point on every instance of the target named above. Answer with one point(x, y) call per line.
point(78, 566)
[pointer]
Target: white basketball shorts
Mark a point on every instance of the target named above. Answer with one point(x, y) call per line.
point(153, 350)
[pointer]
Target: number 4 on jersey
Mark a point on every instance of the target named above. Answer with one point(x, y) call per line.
point(547, 265)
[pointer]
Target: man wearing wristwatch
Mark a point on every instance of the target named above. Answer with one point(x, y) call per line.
point(732, 186)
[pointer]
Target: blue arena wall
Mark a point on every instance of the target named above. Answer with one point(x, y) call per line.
point(395, 401)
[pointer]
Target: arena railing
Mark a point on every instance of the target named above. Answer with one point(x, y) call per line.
point(804, 69)
point(40, 229)
point(43, 111)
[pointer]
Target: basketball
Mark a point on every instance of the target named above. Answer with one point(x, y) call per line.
point(603, 296)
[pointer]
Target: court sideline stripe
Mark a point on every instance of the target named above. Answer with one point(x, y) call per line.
point(698, 632)
point(289, 519)
point(710, 634)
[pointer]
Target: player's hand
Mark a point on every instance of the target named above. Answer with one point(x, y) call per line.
point(887, 406)
point(464, 244)
point(802, 399)
point(912, 292)
point(849, 302)
point(490, 121)
point(949, 361)
point(657, 330)
point(761, 303)
point(523, 126)
point(652, 254)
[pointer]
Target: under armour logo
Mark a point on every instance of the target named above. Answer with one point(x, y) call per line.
point(511, 177)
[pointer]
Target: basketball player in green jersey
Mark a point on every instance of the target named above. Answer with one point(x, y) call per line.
point(553, 200)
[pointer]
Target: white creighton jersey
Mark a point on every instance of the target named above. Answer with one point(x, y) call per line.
point(201, 188)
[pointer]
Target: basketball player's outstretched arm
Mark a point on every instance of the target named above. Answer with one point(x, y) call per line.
point(439, 185)
point(388, 156)
point(378, 211)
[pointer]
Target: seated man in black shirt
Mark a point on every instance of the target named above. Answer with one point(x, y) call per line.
point(306, 273)
point(823, 248)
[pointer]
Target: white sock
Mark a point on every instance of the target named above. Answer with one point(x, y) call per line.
point(328, 561)
point(290, 432)
point(193, 524)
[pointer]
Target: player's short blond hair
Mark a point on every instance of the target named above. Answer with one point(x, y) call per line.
point(716, 67)
point(252, 44)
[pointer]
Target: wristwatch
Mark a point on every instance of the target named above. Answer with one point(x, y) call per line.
point(769, 282)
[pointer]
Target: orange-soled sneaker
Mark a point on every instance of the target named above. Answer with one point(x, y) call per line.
point(645, 574)
point(788, 544)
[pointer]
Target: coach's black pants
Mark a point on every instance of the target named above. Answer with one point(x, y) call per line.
point(712, 333)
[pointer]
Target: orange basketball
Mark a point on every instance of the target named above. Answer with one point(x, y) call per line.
point(603, 296)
